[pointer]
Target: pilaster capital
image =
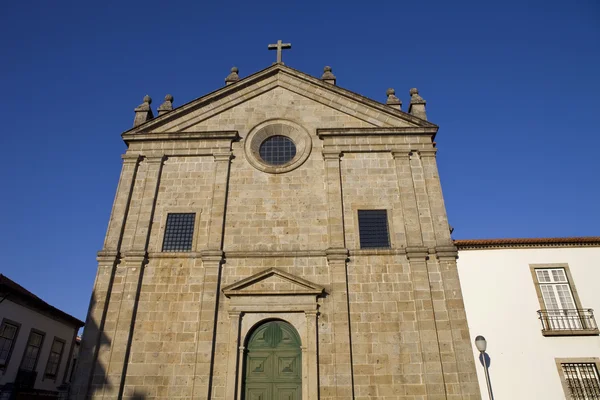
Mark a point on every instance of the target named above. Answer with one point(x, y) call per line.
point(222, 156)
point(155, 159)
point(400, 154)
point(337, 254)
point(428, 152)
point(211, 255)
point(107, 256)
point(446, 252)
point(135, 256)
point(332, 154)
point(129, 158)
point(417, 252)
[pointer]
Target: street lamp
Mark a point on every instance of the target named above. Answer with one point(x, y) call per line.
point(481, 345)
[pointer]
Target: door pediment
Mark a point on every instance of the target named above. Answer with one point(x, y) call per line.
point(272, 282)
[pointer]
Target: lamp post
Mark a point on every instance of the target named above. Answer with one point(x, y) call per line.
point(481, 345)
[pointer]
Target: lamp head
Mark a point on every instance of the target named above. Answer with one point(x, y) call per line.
point(480, 343)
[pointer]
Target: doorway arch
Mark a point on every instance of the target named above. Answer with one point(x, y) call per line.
point(273, 363)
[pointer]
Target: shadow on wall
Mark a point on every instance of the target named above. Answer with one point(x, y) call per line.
point(91, 376)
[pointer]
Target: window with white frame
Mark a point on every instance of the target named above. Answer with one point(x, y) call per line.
point(562, 313)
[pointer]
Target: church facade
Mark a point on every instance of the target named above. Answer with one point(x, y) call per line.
point(279, 238)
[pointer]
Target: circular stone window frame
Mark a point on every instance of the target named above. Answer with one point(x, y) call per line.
point(277, 127)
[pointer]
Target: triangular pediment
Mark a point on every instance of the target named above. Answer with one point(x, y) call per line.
point(272, 282)
point(283, 87)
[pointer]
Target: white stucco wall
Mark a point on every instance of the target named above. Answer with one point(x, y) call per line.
point(29, 319)
point(501, 304)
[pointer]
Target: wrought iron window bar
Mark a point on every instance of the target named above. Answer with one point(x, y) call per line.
point(568, 320)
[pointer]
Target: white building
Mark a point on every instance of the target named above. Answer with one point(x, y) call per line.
point(533, 300)
point(37, 344)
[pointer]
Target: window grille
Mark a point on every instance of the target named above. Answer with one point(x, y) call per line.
point(373, 229)
point(582, 380)
point(277, 150)
point(179, 232)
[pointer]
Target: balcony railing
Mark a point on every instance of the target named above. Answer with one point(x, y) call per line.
point(25, 379)
point(568, 322)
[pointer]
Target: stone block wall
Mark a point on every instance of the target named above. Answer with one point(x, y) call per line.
point(391, 322)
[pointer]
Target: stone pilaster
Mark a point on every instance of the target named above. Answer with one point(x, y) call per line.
point(436, 199)
point(232, 357)
point(412, 224)
point(121, 203)
point(94, 340)
point(422, 200)
point(212, 259)
point(337, 258)
point(334, 200)
point(433, 378)
point(340, 323)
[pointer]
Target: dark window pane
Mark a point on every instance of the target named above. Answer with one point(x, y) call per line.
point(277, 150)
point(54, 358)
point(179, 232)
point(373, 229)
point(32, 351)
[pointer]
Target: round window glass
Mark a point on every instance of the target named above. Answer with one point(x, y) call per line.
point(277, 150)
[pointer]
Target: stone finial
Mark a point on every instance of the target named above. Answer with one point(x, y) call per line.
point(328, 76)
point(166, 106)
point(417, 104)
point(233, 77)
point(392, 100)
point(143, 112)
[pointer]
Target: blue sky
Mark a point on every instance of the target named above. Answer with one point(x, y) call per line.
point(513, 86)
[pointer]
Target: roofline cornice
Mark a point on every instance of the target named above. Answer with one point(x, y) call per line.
point(527, 243)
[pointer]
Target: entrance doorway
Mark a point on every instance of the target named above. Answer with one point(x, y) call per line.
point(273, 363)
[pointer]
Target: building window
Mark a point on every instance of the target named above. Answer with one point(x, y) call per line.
point(32, 352)
point(561, 312)
point(373, 229)
point(581, 380)
point(179, 232)
point(277, 150)
point(54, 358)
point(8, 336)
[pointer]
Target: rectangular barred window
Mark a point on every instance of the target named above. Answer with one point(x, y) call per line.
point(179, 232)
point(373, 229)
point(582, 380)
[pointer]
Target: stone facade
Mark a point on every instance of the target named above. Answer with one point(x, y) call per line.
point(279, 243)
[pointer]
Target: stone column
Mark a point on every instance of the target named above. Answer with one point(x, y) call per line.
point(212, 259)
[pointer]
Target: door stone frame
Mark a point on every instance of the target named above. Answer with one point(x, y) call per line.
point(249, 308)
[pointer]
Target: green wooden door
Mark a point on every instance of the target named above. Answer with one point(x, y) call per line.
point(273, 363)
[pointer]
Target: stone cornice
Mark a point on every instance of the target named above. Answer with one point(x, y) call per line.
point(209, 135)
point(377, 131)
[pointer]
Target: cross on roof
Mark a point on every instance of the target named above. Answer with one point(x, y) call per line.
point(279, 46)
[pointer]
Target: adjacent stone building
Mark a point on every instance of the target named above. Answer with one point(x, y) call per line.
point(279, 238)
